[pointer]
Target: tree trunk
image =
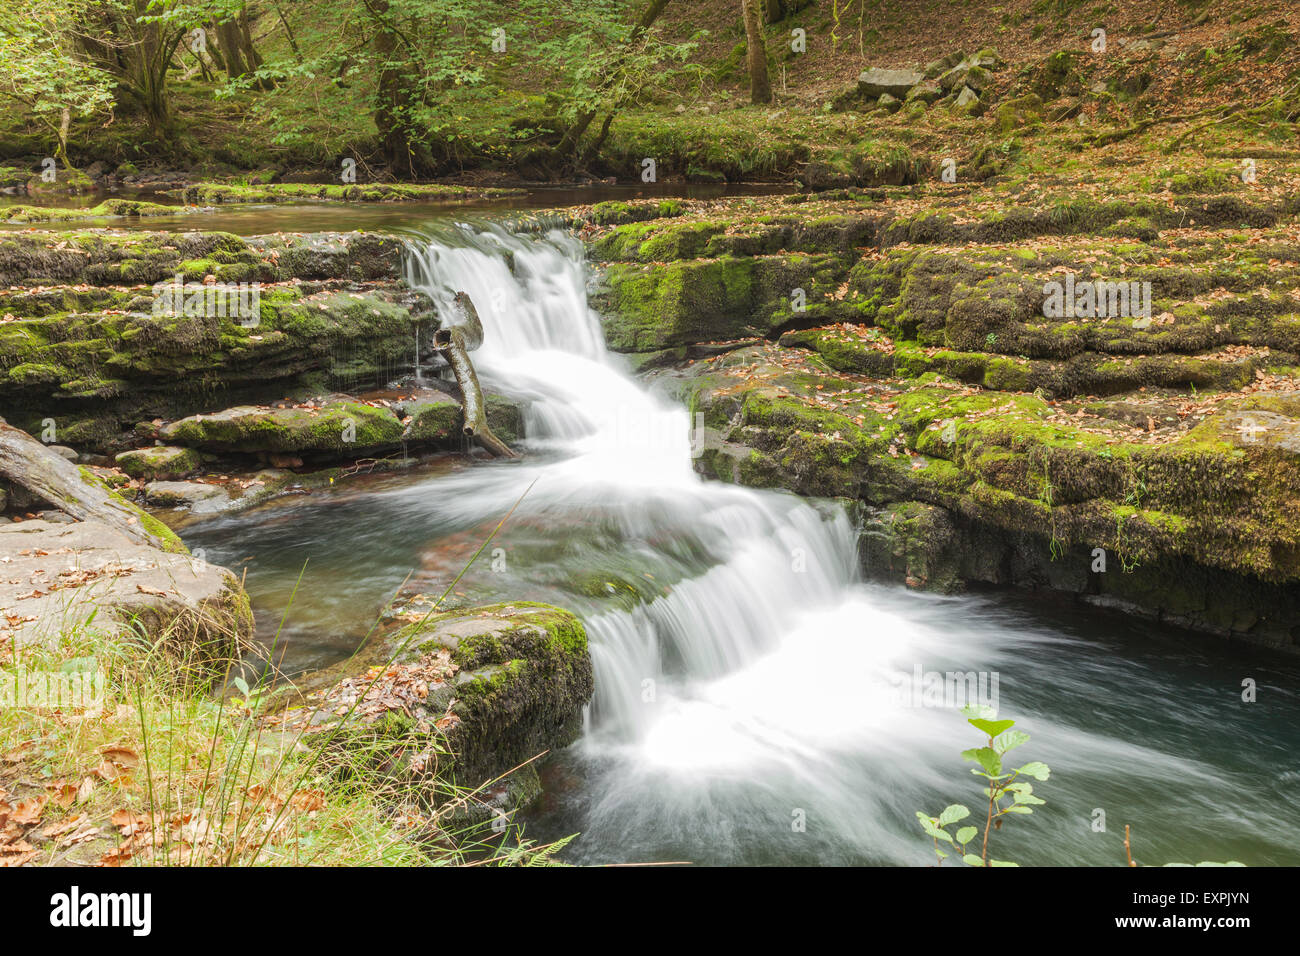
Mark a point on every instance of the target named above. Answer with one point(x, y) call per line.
point(404, 151)
point(48, 475)
point(288, 32)
point(251, 56)
point(760, 88)
point(65, 122)
point(231, 46)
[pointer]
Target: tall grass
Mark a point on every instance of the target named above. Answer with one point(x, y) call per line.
point(167, 772)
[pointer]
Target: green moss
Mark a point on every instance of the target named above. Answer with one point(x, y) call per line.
point(221, 193)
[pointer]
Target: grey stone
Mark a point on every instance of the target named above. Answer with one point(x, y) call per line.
point(58, 577)
point(183, 493)
point(878, 82)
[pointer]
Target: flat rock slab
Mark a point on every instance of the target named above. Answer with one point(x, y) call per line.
point(878, 82)
point(202, 498)
point(56, 577)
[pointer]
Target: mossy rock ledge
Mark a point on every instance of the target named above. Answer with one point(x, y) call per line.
point(1137, 450)
point(92, 340)
point(500, 684)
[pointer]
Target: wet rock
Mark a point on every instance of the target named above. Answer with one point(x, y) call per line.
point(438, 421)
point(160, 462)
point(498, 686)
point(186, 494)
point(911, 542)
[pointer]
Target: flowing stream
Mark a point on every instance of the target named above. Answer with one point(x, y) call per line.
point(747, 705)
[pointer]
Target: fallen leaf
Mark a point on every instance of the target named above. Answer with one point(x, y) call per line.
point(122, 756)
point(29, 811)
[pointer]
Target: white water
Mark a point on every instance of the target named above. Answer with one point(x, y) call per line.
point(757, 687)
point(625, 454)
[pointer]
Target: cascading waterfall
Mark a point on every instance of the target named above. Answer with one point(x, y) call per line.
point(735, 687)
point(621, 454)
point(750, 709)
point(746, 706)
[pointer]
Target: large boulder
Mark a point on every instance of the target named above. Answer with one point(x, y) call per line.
point(340, 427)
point(495, 687)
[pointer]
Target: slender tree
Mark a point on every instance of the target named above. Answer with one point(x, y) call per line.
point(760, 87)
point(44, 74)
point(569, 142)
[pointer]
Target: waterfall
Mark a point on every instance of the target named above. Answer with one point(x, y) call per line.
point(619, 453)
point(747, 705)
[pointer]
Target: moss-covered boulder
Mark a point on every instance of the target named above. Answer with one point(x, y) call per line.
point(160, 462)
point(910, 542)
point(439, 422)
point(339, 428)
point(469, 694)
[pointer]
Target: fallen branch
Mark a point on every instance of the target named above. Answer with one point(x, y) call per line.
point(46, 474)
point(455, 343)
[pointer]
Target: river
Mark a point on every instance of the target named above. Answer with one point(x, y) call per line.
point(753, 700)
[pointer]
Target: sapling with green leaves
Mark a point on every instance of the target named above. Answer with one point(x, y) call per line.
point(1003, 786)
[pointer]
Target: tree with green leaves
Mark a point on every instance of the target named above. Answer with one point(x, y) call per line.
point(45, 74)
point(135, 41)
